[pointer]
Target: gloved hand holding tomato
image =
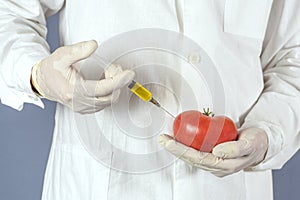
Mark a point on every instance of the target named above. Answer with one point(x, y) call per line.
point(212, 143)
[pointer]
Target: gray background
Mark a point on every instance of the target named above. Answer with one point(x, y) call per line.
point(25, 139)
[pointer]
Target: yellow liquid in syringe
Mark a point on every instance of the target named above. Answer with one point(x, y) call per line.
point(140, 91)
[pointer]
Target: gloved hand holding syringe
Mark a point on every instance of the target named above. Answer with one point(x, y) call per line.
point(144, 94)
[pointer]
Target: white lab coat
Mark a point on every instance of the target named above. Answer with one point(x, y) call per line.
point(259, 63)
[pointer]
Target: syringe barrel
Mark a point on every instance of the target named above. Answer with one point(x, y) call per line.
point(140, 91)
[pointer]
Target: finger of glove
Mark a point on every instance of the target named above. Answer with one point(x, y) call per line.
point(90, 105)
point(233, 149)
point(231, 166)
point(190, 155)
point(112, 70)
point(107, 100)
point(107, 86)
point(71, 54)
point(98, 102)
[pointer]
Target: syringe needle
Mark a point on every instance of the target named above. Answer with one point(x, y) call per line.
point(158, 105)
point(167, 112)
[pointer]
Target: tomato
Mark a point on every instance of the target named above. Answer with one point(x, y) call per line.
point(202, 131)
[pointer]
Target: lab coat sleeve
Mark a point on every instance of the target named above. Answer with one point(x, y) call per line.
point(23, 44)
point(277, 111)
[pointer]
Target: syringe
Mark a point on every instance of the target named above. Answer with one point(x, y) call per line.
point(145, 95)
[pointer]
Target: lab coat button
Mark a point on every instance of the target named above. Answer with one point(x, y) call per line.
point(194, 58)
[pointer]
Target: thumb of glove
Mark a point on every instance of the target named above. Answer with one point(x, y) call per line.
point(76, 52)
point(233, 149)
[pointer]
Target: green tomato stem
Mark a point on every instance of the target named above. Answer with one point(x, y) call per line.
point(208, 113)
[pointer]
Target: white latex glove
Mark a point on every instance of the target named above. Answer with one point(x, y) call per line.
point(56, 78)
point(226, 158)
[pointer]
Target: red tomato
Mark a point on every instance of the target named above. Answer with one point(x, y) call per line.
point(202, 131)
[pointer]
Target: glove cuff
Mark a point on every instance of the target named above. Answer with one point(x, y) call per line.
point(33, 80)
point(275, 141)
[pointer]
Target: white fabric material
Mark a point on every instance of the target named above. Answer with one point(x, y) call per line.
point(244, 55)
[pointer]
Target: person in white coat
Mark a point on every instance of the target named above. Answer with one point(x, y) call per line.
point(255, 45)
